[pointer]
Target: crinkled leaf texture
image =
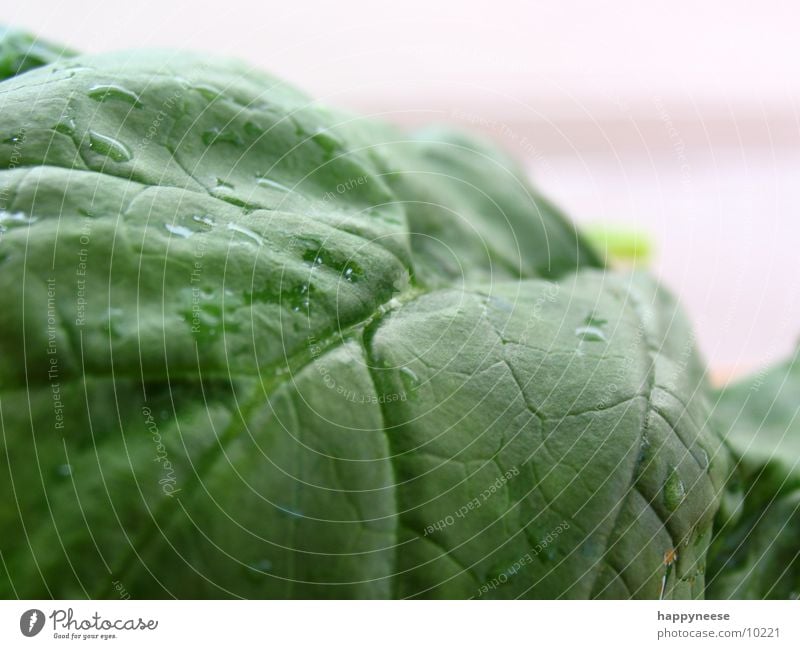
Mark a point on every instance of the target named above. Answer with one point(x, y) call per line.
point(253, 347)
point(756, 554)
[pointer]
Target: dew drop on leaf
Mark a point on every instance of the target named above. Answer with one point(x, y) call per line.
point(674, 490)
point(10, 220)
point(591, 334)
point(109, 92)
point(109, 147)
point(246, 232)
point(205, 220)
point(179, 230)
point(591, 330)
point(300, 298)
point(272, 184)
point(66, 126)
point(410, 378)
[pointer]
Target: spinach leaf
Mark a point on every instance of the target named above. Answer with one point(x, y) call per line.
point(252, 346)
point(755, 552)
point(20, 52)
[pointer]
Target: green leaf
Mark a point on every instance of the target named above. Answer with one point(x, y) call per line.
point(20, 52)
point(254, 347)
point(472, 215)
point(607, 433)
point(755, 553)
point(620, 244)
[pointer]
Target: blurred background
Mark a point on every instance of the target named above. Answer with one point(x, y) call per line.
point(679, 120)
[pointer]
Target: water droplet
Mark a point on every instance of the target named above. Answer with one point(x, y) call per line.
point(216, 135)
point(300, 299)
point(410, 378)
point(66, 126)
point(64, 470)
point(674, 490)
point(266, 182)
point(591, 330)
point(352, 271)
point(111, 92)
point(109, 147)
point(10, 220)
point(591, 334)
point(205, 220)
point(317, 256)
point(179, 230)
point(246, 232)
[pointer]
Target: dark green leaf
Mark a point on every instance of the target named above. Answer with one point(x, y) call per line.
point(755, 554)
point(250, 346)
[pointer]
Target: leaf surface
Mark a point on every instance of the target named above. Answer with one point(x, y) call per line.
point(254, 347)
